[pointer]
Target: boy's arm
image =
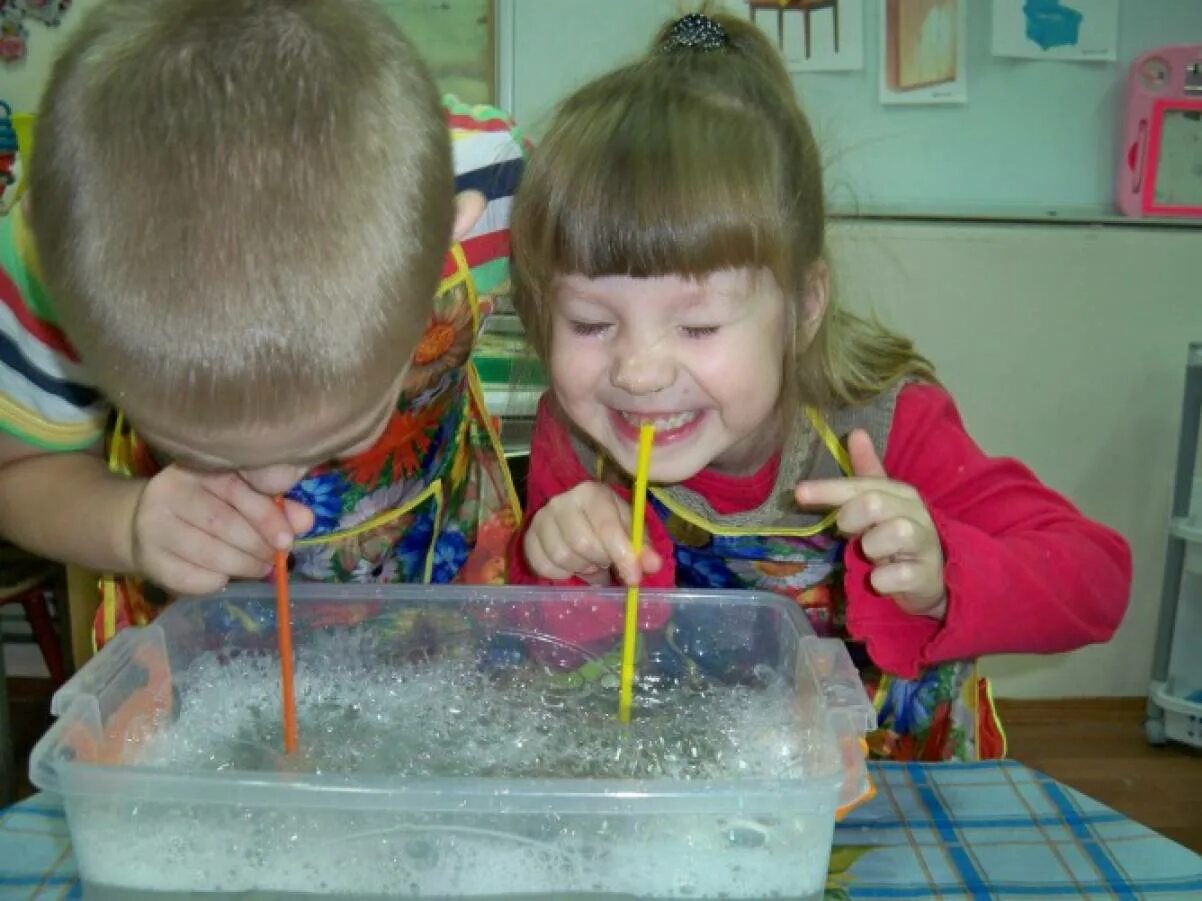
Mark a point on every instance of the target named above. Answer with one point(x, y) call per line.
point(188, 532)
point(489, 157)
point(57, 498)
point(67, 506)
point(1025, 571)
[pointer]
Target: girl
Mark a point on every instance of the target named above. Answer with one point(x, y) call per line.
point(670, 266)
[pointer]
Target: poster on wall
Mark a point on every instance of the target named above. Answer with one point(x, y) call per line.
point(813, 35)
point(923, 51)
point(455, 37)
point(1049, 29)
point(14, 16)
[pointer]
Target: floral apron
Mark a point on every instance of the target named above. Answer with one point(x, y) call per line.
point(431, 502)
point(946, 713)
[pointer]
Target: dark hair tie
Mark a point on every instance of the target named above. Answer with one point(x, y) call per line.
point(695, 31)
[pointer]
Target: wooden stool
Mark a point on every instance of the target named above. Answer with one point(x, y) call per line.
point(26, 580)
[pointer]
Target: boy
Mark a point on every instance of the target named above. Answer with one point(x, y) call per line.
point(237, 256)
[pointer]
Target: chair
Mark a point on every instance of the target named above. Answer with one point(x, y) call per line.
point(28, 581)
point(803, 6)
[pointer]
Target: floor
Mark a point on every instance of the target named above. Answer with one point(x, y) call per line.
point(1095, 745)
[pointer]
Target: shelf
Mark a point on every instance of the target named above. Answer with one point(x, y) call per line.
point(1187, 529)
point(994, 214)
point(1187, 704)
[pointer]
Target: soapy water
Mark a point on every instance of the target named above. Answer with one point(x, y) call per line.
point(448, 718)
point(453, 718)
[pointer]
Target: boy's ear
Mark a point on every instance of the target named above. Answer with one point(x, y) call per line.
point(469, 207)
point(812, 305)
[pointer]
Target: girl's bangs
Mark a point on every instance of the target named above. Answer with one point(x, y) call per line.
point(676, 191)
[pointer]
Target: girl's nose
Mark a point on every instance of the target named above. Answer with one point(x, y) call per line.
point(643, 372)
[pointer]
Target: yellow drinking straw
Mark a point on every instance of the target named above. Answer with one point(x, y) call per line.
point(639, 507)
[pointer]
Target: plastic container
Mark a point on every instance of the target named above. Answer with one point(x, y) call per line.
point(271, 831)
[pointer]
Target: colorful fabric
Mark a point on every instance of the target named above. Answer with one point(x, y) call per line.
point(954, 832)
point(431, 501)
point(46, 397)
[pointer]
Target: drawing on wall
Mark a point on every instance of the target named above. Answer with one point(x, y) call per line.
point(455, 38)
point(1050, 29)
point(923, 51)
point(14, 35)
point(813, 35)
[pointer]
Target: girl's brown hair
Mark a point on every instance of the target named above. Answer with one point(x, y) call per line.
point(688, 161)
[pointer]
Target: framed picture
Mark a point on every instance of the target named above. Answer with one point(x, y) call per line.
point(1048, 29)
point(813, 35)
point(923, 51)
point(455, 37)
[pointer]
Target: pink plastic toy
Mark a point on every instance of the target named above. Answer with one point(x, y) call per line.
point(1160, 160)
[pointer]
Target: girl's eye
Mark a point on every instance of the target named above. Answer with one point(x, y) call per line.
point(585, 329)
point(699, 331)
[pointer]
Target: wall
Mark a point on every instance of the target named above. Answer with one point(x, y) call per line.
point(1034, 136)
point(1064, 346)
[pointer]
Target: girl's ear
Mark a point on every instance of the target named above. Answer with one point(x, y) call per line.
point(811, 306)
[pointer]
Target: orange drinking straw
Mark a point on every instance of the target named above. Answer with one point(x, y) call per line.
point(283, 619)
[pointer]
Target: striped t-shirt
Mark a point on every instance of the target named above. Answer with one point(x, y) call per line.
point(47, 398)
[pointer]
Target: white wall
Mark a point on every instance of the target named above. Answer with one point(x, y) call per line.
point(1065, 346)
point(1034, 135)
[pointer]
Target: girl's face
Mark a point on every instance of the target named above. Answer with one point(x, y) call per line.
point(702, 359)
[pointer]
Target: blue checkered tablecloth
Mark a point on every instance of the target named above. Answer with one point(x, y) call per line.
point(946, 831)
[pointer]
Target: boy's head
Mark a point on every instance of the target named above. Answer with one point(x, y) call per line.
point(241, 209)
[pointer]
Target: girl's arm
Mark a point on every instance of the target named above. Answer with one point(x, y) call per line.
point(1026, 572)
point(554, 468)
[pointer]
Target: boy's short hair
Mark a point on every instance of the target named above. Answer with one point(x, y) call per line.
point(241, 207)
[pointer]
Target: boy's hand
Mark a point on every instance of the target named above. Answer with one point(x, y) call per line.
point(193, 531)
point(896, 532)
point(585, 532)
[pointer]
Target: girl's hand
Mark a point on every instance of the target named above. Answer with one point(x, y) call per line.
point(896, 532)
point(585, 532)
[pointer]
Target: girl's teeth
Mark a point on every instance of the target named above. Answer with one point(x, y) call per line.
point(662, 423)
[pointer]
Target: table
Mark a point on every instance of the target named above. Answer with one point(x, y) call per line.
point(950, 831)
